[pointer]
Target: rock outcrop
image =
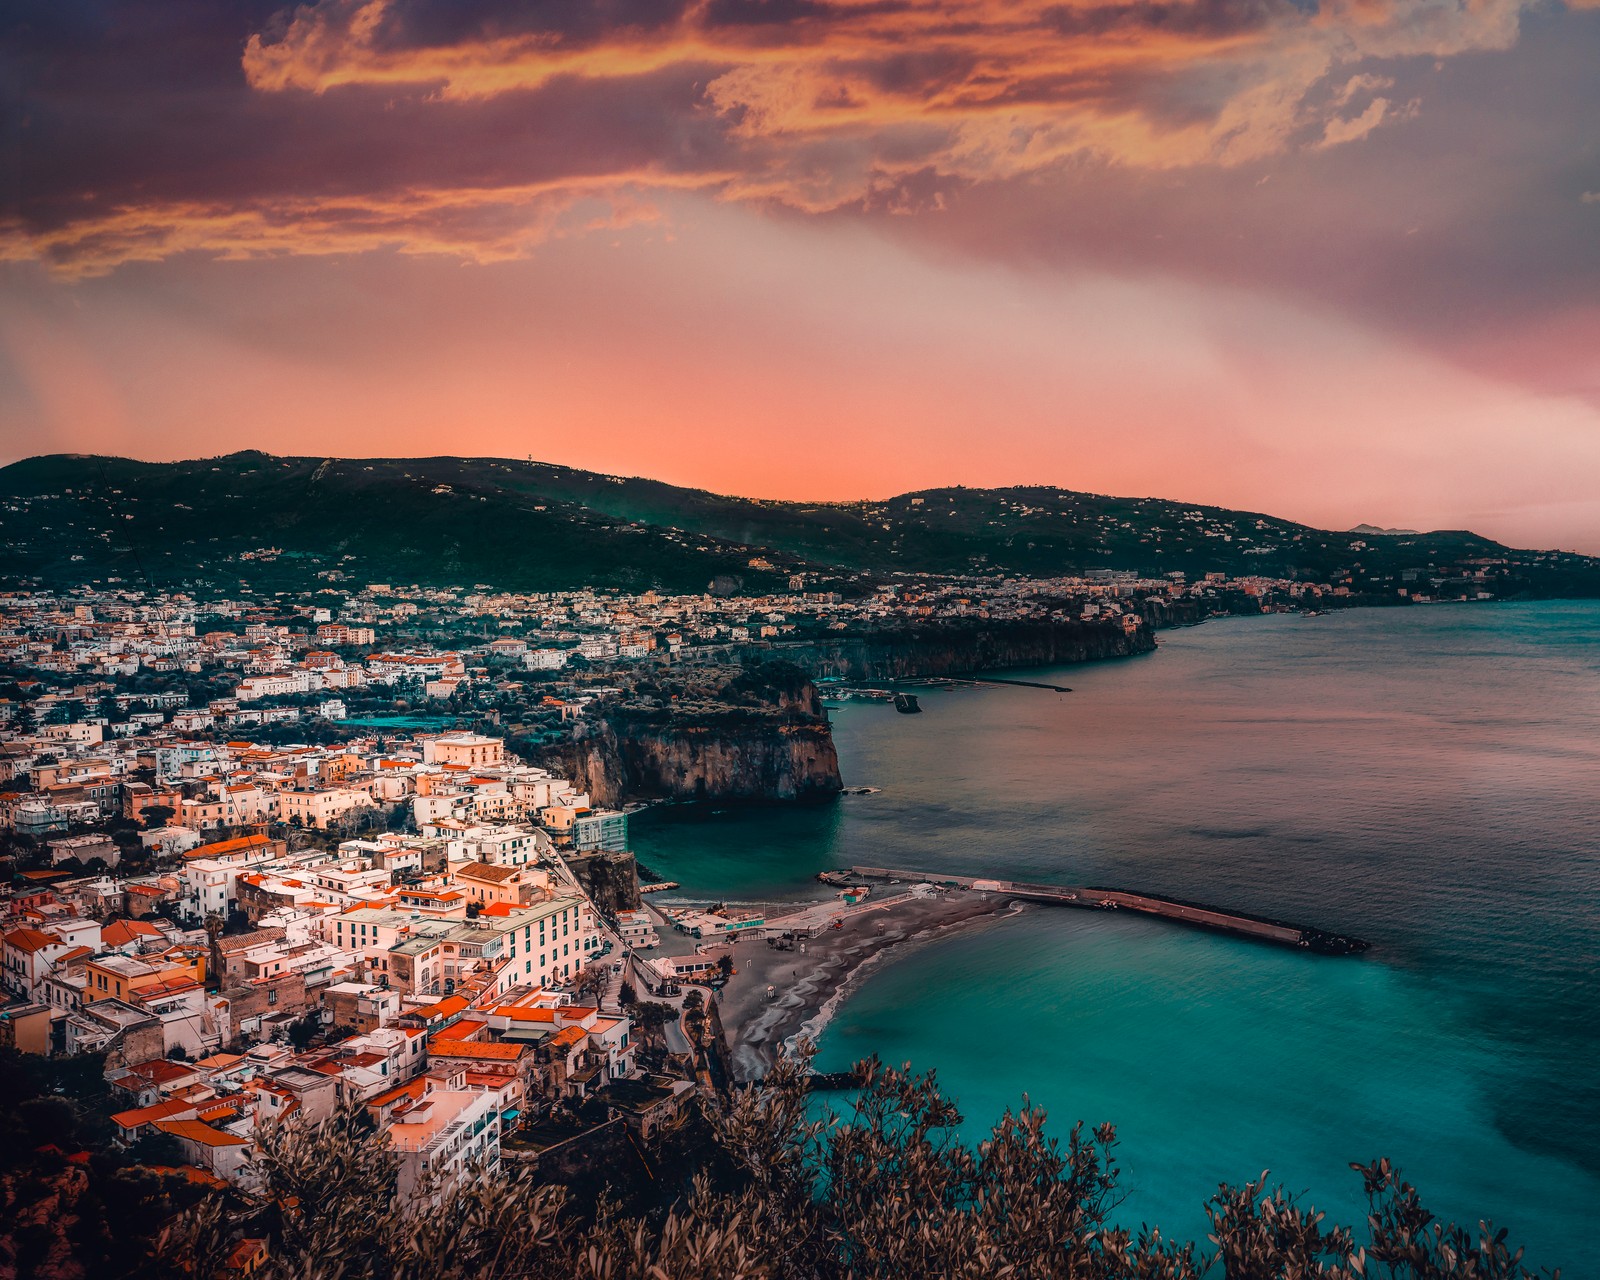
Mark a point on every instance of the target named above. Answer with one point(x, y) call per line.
point(610, 879)
point(758, 734)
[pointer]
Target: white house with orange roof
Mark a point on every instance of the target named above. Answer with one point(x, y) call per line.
point(444, 1135)
point(27, 956)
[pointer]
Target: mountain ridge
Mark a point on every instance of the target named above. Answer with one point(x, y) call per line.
point(267, 520)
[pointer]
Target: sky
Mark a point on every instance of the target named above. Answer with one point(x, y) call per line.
point(1338, 261)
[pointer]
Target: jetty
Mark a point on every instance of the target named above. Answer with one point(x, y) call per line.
point(1020, 684)
point(1196, 915)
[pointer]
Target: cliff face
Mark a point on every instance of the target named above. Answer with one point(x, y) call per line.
point(946, 649)
point(706, 761)
point(729, 735)
point(610, 879)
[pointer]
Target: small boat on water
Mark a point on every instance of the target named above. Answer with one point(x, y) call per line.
point(906, 704)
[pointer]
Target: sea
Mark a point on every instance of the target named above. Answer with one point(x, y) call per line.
point(1426, 778)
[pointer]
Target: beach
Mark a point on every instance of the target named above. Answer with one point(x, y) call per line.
point(809, 986)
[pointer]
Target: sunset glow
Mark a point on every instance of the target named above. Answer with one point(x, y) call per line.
point(1334, 261)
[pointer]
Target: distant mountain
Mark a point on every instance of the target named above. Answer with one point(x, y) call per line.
point(1386, 533)
point(282, 522)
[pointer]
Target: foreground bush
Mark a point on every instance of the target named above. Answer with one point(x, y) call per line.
point(883, 1191)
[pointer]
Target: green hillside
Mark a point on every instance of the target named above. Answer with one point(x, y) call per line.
point(530, 526)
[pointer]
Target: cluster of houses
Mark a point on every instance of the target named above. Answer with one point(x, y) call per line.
point(198, 786)
point(436, 973)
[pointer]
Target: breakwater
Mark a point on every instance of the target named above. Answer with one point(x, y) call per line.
point(1198, 915)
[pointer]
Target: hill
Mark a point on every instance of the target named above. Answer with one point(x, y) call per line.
point(282, 522)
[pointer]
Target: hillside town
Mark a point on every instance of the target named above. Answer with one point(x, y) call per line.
point(453, 981)
point(279, 857)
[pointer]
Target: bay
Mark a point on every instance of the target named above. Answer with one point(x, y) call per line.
point(1427, 778)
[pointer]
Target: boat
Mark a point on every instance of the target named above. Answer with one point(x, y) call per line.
point(906, 704)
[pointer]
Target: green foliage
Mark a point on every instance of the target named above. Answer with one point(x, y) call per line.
point(651, 1015)
point(303, 1031)
point(788, 1189)
point(882, 1190)
point(451, 520)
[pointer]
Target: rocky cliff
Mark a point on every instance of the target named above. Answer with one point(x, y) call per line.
point(610, 879)
point(757, 734)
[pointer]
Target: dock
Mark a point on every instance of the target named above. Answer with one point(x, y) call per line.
point(1020, 684)
point(1196, 915)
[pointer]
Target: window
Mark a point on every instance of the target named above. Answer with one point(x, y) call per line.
point(272, 997)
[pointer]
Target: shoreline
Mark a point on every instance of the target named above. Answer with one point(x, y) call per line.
point(812, 987)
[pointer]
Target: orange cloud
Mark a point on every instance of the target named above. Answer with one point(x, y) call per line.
point(975, 89)
point(474, 224)
point(817, 105)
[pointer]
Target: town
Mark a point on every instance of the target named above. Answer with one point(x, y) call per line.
point(288, 856)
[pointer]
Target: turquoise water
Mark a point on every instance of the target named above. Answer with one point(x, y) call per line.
point(1424, 778)
point(399, 722)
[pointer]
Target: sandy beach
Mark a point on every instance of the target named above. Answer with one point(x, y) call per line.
point(810, 986)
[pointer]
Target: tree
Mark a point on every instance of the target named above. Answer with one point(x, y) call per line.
point(882, 1190)
point(303, 1031)
point(593, 980)
point(48, 1120)
point(651, 1015)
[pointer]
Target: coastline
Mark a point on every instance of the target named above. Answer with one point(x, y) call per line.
point(811, 987)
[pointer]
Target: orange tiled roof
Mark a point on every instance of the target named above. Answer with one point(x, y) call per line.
point(525, 1013)
point(199, 1131)
point(567, 1037)
point(29, 941)
point(235, 845)
point(476, 1049)
point(148, 1115)
point(413, 1089)
point(122, 932)
point(442, 1009)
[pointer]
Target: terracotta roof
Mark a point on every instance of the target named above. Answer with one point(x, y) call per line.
point(199, 1131)
point(195, 1175)
point(122, 932)
point(525, 1013)
point(237, 845)
point(413, 1089)
point(567, 1037)
point(443, 1009)
point(487, 872)
point(160, 1071)
point(29, 941)
point(148, 1115)
point(475, 1049)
